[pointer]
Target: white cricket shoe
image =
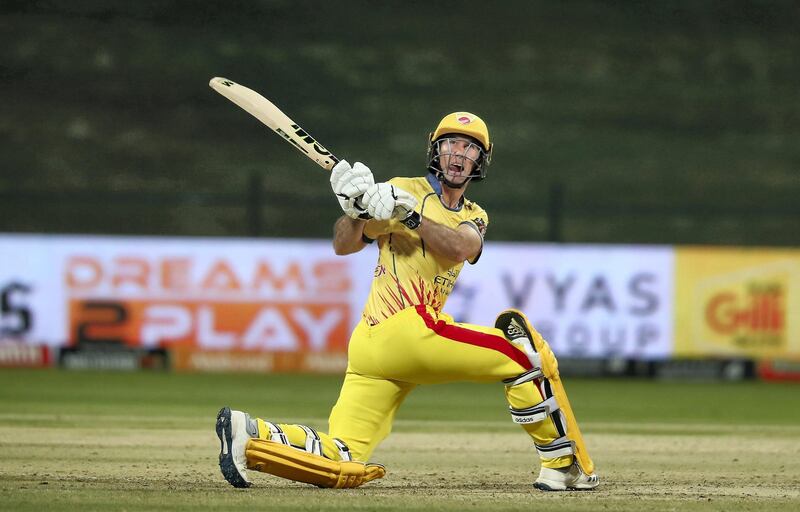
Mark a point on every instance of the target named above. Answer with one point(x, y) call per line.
point(233, 436)
point(570, 478)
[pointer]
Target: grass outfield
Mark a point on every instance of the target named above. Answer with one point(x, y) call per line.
point(144, 441)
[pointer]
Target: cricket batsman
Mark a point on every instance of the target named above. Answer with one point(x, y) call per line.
point(425, 229)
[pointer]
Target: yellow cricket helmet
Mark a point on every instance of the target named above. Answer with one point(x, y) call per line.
point(461, 123)
point(464, 123)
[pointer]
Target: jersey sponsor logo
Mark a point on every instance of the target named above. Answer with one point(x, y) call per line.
point(447, 280)
point(481, 225)
point(445, 283)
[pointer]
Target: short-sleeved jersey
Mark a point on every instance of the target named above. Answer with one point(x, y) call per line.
point(407, 272)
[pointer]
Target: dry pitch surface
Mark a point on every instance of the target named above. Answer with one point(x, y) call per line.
point(96, 461)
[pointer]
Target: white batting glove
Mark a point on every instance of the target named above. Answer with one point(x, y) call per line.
point(349, 184)
point(384, 201)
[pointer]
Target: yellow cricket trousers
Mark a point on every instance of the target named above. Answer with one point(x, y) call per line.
point(417, 346)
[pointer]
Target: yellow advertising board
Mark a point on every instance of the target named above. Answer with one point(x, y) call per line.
point(737, 302)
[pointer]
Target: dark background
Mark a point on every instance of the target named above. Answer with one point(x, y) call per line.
point(647, 122)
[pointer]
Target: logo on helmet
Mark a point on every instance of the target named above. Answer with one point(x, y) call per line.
point(464, 119)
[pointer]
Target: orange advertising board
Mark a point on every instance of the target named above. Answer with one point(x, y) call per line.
point(287, 299)
point(737, 302)
point(269, 325)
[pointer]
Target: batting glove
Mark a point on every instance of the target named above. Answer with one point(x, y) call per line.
point(349, 184)
point(384, 201)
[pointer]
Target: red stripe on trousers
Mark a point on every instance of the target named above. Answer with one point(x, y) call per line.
point(479, 339)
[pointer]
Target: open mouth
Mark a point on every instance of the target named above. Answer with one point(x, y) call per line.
point(455, 169)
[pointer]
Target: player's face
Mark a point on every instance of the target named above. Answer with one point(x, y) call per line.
point(458, 157)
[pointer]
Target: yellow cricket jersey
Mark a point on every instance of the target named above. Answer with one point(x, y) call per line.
point(407, 273)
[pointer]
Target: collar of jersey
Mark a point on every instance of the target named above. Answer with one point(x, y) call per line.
point(436, 185)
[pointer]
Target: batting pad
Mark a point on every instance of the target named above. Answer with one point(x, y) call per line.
point(294, 464)
point(549, 369)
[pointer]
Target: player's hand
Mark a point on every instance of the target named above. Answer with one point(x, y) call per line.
point(349, 184)
point(384, 201)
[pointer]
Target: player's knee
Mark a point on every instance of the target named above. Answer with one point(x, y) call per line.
point(519, 332)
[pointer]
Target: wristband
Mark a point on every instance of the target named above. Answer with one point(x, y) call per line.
point(412, 220)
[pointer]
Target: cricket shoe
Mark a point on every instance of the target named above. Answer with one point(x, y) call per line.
point(233, 437)
point(571, 478)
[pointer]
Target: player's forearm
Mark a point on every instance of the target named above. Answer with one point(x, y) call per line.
point(347, 234)
point(454, 244)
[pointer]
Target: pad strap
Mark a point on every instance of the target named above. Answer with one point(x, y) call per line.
point(528, 348)
point(536, 413)
point(344, 451)
point(561, 447)
point(313, 442)
point(276, 434)
point(528, 376)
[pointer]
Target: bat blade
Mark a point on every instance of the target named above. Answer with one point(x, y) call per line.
point(265, 111)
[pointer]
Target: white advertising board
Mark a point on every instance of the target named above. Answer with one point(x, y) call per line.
point(587, 301)
point(298, 296)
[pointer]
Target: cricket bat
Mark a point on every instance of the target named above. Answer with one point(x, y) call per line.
point(265, 111)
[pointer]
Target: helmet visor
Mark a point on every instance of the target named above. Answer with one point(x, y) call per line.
point(458, 158)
